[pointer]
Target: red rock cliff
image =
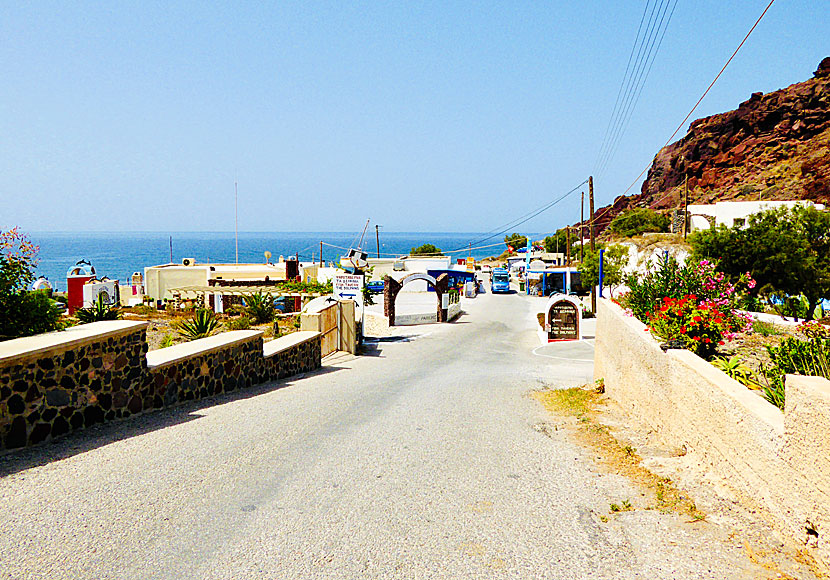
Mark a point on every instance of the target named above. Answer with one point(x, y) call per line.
point(773, 146)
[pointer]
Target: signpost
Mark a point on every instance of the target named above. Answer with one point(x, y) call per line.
point(563, 318)
point(349, 287)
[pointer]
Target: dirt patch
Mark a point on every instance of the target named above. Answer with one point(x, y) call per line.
point(580, 405)
point(665, 477)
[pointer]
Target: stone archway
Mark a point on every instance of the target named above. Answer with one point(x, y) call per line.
point(391, 287)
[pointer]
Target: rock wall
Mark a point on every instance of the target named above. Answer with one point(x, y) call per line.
point(60, 382)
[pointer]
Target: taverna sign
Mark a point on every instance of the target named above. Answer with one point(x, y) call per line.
point(563, 318)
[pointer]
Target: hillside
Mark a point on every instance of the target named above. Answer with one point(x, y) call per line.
point(772, 147)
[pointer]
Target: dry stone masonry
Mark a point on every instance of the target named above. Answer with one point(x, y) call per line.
point(55, 383)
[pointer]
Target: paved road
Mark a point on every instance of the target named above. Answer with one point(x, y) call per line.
point(419, 461)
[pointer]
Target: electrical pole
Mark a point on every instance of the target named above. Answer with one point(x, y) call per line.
point(582, 228)
point(236, 218)
point(321, 253)
point(568, 246)
point(377, 239)
point(591, 233)
point(686, 207)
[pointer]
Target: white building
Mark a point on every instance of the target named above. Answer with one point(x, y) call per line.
point(731, 213)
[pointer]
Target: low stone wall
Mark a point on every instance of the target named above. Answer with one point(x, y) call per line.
point(776, 461)
point(59, 382)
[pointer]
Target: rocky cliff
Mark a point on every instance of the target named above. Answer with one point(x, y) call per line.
point(772, 147)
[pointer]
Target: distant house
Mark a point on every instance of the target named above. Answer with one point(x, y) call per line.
point(730, 213)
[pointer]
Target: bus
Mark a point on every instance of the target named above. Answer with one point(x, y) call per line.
point(500, 281)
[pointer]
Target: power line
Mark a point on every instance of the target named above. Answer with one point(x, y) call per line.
point(525, 218)
point(650, 58)
point(686, 118)
point(649, 48)
point(622, 84)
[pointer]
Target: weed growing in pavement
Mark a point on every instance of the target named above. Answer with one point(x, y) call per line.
point(620, 458)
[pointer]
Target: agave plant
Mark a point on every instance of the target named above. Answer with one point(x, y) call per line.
point(202, 324)
point(98, 311)
point(260, 307)
point(737, 370)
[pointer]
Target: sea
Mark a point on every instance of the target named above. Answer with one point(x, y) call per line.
point(118, 254)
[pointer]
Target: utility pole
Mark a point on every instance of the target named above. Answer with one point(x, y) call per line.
point(591, 233)
point(582, 228)
point(686, 207)
point(377, 239)
point(321, 253)
point(568, 246)
point(236, 218)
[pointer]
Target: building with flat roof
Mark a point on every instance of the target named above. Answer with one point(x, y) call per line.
point(730, 213)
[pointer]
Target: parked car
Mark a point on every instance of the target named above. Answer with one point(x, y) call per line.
point(375, 286)
point(486, 269)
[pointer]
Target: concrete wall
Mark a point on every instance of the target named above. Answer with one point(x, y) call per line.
point(58, 382)
point(778, 462)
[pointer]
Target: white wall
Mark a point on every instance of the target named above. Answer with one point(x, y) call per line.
point(726, 212)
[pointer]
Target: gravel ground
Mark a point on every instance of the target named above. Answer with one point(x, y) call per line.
point(423, 459)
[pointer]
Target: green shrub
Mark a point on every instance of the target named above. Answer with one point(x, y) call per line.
point(239, 323)
point(168, 340)
point(764, 328)
point(97, 312)
point(22, 312)
point(639, 221)
point(202, 324)
point(426, 250)
point(691, 304)
point(260, 307)
point(793, 356)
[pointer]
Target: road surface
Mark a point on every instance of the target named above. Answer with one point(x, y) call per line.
point(422, 459)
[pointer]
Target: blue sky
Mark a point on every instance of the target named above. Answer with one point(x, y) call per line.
point(423, 116)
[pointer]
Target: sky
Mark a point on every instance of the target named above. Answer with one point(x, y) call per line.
point(420, 116)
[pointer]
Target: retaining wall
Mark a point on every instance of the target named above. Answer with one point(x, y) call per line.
point(58, 382)
point(778, 462)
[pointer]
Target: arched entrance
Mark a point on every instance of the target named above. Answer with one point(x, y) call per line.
point(391, 287)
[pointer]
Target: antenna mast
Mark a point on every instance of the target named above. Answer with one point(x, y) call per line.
point(236, 217)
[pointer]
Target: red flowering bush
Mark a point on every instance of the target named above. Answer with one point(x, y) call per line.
point(700, 326)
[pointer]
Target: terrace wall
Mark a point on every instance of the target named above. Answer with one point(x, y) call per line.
point(775, 461)
point(59, 382)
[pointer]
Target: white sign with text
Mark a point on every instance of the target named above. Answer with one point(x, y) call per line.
point(349, 287)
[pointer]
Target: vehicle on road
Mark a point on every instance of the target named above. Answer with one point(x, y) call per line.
point(375, 286)
point(500, 281)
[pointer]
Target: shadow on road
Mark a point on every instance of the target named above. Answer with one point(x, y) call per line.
point(118, 430)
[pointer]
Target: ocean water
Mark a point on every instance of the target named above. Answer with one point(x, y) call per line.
point(119, 254)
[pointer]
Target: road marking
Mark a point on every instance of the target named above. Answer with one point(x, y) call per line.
point(560, 357)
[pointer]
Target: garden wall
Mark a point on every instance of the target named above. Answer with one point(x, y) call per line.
point(58, 382)
point(776, 461)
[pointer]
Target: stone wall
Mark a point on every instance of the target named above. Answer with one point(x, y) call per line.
point(59, 382)
point(776, 462)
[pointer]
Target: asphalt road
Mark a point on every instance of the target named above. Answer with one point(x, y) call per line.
point(423, 459)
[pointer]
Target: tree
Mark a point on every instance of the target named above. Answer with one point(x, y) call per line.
point(426, 250)
point(22, 312)
point(786, 250)
point(558, 242)
point(638, 221)
point(615, 259)
point(516, 240)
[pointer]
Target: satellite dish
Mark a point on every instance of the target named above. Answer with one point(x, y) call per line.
point(267, 257)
